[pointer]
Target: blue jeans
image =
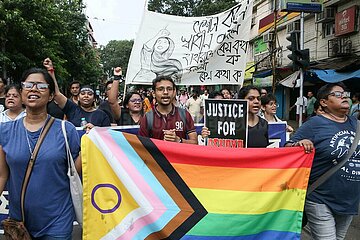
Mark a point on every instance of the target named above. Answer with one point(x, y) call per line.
point(324, 224)
point(65, 237)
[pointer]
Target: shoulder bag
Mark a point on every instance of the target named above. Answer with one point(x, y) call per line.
point(13, 229)
point(76, 188)
point(332, 170)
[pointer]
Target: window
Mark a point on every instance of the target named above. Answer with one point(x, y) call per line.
point(328, 29)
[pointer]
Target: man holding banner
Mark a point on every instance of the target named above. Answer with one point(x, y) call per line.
point(167, 121)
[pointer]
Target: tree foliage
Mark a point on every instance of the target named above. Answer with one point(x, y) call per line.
point(31, 30)
point(190, 8)
point(116, 53)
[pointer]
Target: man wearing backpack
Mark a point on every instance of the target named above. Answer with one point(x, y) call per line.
point(166, 121)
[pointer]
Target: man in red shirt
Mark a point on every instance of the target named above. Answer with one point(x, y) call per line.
point(168, 124)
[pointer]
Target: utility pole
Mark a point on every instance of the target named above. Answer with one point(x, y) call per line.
point(301, 69)
point(273, 42)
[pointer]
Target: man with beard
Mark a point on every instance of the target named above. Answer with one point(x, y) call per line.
point(166, 121)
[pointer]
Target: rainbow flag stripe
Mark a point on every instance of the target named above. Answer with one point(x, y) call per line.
point(141, 188)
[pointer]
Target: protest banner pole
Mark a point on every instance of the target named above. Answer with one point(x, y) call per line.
point(301, 70)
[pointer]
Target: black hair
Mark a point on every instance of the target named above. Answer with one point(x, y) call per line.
point(128, 96)
point(15, 86)
point(325, 90)
point(357, 95)
point(316, 107)
point(108, 83)
point(74, 82)
point(163, 78)
point(49, 80)
point(267, 98)
point(245, 90)
point(3, 80)
point(215, 94)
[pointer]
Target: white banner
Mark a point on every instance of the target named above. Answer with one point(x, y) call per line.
point(193, 50)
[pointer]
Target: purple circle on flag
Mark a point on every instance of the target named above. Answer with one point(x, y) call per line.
point(106, 185)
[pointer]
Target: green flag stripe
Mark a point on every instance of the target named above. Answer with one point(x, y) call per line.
point(240, 225)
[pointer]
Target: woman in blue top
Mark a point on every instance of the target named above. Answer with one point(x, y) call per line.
point(331, 206)
point(49, 212)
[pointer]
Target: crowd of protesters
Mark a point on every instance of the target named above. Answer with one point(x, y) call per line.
point(166, 112)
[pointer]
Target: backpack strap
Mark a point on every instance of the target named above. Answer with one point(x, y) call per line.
point(182, 113)
point(149, 121)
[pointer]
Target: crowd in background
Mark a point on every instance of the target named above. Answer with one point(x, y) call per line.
point(166, 112)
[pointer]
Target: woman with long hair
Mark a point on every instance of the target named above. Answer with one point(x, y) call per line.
point(156, 59)
point(132, 110)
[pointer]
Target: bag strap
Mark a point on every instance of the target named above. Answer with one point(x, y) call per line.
point(332, 170)
point(149, 121)
point(31, 163)
point(71, 164)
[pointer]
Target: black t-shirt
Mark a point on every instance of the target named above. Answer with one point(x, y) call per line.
point(258, 136)
point(105, 106)
point(126, 119)
point(54, 110)
point(74, 113)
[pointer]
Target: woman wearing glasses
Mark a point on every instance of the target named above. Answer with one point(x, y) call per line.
point(49, 212)
point(132, 110)
point(13, 104)
point(268, 110)
point(84, 110)
point(331, 206)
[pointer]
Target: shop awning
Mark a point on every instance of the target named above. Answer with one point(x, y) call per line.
point(331, 76)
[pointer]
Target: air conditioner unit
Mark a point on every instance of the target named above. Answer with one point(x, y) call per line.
point(253, 22)
point(293, 27)
point(327, 15)
point(268, 37)
point(338, 47)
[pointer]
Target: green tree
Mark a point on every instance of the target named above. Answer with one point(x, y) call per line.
point(31, 30)
point(190, 8)
point(116, 53)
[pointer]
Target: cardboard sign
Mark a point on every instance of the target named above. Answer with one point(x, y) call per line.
point(227, 122)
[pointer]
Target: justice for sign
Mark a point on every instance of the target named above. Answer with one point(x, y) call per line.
point(233, 110)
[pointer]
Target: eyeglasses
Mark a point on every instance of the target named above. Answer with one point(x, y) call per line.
point(162, 89)
point(138, 100)
point(39, 86)
point(273, 104)
point(339, 94)
point(252, 98)
point(14, 95)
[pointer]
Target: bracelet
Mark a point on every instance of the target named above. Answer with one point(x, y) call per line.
point(51, 70)
point(294, 144)
point(180, 141)
point(117, 77)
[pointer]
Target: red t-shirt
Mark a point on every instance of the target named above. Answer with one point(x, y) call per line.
point(166, 122)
